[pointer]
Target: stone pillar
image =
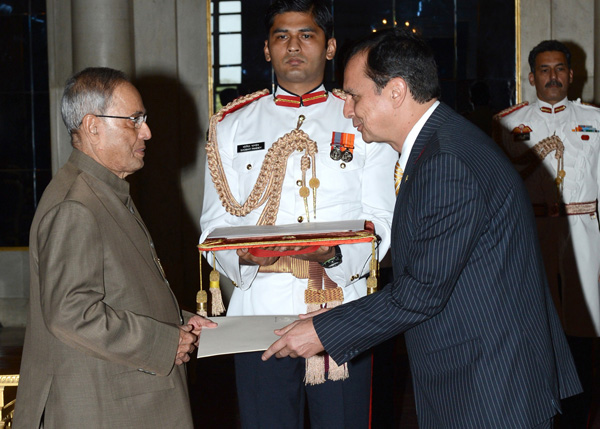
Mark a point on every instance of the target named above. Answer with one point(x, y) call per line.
point(102, 34)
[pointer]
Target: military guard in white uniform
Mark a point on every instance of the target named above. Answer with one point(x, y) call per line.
point(555, 144)
point(331, 175)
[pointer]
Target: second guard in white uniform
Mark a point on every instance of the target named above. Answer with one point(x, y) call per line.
point(557, 150)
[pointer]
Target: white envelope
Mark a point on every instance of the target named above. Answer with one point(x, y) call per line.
point(239, 334)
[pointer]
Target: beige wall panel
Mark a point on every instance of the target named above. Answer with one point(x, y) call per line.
point(155, 40)
point(573, 24)
point(536, 20)
point(60, 67)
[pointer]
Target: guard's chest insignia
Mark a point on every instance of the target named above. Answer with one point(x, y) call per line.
point(521, 133)
point(250, 147)
point(585, 130)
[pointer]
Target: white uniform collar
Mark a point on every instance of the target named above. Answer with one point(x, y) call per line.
point(282, 91)
point(544, 107)
point(414, 133)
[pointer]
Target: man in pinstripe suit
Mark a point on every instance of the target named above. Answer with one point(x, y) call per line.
point(485, 344)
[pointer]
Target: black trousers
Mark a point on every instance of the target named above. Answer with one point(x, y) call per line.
point(272, 394)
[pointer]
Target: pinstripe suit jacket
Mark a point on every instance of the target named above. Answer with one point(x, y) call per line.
point(102, 330)
point(485, 345)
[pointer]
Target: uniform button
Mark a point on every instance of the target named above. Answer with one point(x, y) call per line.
point(342, 165)
point(299, 149)
point(300, 219)
point(249, 167)
point(299, 182)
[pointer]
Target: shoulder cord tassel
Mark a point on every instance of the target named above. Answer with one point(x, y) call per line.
point(201, 298)
point(322, 292)
point(373, 269)
point(216, 303)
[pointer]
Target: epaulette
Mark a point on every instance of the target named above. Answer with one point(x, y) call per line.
point(339, 93)
point(510, 110)
point(240, 102)
point(586, 104)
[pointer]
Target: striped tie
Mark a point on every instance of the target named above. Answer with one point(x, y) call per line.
point(398, 172)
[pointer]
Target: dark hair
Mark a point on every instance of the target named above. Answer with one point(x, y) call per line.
point(316, 8)
point(546, 46)
point(89, 91)
point(397, 52)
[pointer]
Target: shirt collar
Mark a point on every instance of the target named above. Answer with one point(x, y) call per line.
point(91, 167)
point(414, 133)
point(549, 108)
point(282, 97)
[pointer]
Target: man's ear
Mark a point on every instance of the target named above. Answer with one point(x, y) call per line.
point(531, 79)
point(398, 90)
point(266, 51)
point(570, 75)
point(89, 128)
point(331, 48)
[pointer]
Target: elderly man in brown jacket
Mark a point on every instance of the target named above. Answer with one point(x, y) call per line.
point(105, 339)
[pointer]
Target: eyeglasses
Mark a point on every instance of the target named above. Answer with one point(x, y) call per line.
point(137, 120)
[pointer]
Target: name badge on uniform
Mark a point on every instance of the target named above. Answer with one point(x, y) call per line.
point(249, 147)
point(521, 133)
point(342, 146)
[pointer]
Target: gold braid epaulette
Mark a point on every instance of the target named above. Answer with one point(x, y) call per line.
point(267, 188)
point(510, 110)
point(339, 93)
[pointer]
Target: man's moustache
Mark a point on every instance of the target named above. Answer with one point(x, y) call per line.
point(554, 83)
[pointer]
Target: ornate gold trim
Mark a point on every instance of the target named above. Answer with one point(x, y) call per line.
point(9, 380)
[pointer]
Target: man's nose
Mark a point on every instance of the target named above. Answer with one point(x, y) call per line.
point(348, 108)
point(145, 133)
point(293, 45)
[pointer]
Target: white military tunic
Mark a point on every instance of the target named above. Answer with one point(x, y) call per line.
point(571, 244)
point(360, 189)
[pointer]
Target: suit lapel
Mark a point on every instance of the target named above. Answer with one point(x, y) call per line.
point(417, 155)
point(439, 116)
point(132, 229)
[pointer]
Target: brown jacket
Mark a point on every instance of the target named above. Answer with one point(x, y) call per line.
point(102, 328)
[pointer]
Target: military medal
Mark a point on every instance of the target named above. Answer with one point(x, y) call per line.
point(336, 152)
point(336, 146)
point(342, 146)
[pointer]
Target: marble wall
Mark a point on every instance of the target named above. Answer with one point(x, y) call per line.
point(571, 22)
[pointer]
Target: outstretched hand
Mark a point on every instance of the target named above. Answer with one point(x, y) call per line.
point(298, 339)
